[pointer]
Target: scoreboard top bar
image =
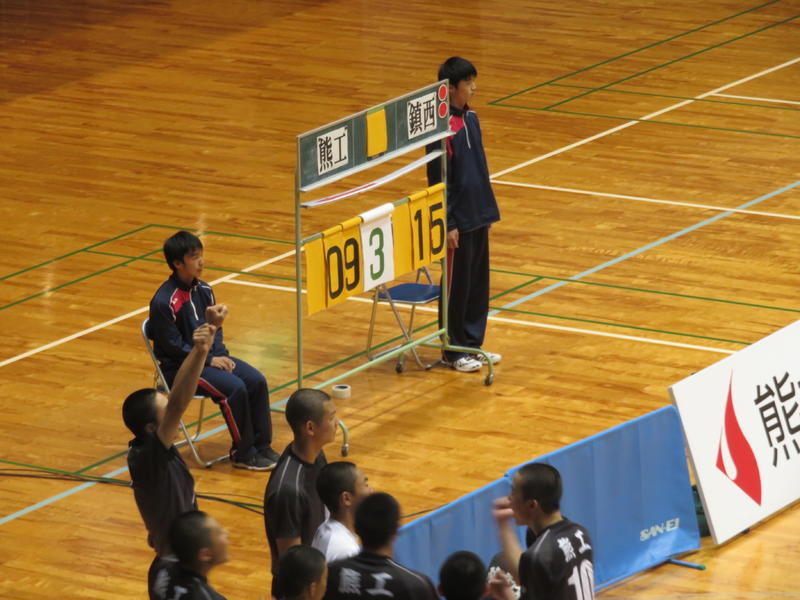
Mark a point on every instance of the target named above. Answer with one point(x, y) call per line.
point(372, 136)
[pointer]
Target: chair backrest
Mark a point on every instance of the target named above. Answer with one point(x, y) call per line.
point(148, 343)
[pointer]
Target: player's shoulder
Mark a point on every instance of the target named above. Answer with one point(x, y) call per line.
point(164, 291)
point(285, 477)
point(413, 579)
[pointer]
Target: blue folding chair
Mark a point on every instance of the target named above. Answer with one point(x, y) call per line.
point(412, 294)
point(160, 382)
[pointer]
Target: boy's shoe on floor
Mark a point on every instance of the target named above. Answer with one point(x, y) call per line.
point(465, 364)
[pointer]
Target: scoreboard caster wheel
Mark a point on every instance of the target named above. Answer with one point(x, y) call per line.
point(398, 368)
point(489, 379)
point(345, 449)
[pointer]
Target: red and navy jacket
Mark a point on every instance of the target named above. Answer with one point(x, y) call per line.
point(176, 310)
point(470, 199)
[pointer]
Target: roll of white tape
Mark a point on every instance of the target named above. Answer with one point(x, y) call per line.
point(340, 391)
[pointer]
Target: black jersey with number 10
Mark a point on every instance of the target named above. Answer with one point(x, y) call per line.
point(558, 565)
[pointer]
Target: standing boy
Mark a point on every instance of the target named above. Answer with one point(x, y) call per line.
point(471, 209)
point(163, 487)
point(303, 573)
point(341, 485)
point(293, 509)
point(372, 573)
point(558, 565)
point(176, 310)
point(463, 577)
point(200, 544)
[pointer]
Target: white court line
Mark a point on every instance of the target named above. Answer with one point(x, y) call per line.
point(133, 313)
point(644, 118)
point(758, 99)
point(229, 277)
point(643, 199)
point(618, 336)
point(267, 286)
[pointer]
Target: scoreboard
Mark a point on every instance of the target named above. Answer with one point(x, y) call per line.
point(375, 247)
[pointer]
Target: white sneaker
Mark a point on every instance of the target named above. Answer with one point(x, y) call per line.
point(466, 364)
point(494, 358)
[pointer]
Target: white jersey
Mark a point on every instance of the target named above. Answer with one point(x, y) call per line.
point(335, 541)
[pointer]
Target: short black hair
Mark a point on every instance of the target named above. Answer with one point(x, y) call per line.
point(188, 534)
point(179, 245)
point(304, 405)
point(333, 479)
point(541, 482)
point(456, 69)
point(299, 567)
point(139, 410)
point(377, 520)
point(463, 577)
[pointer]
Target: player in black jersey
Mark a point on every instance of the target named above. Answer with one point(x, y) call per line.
point(293, 509)
point(463, 577)
point(372, 573)
point(163, 487)
point(200, 544)
point(558, 563)
point(302, 573)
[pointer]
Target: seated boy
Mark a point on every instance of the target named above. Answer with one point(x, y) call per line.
point(176, 310)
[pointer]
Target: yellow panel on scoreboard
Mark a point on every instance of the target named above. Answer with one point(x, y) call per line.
point(438, 221)
point(351, 256)
point(334, 265)
point(316, 281)
point(376, 132)
point(420, 229)
point(401, 230)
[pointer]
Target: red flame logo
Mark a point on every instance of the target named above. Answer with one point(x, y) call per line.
point(735, 457)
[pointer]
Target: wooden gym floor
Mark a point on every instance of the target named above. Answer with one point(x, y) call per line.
point(645, 157)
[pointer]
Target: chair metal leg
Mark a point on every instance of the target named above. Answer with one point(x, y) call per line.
point(370, 353)
point(191, 438)
point(345, 438)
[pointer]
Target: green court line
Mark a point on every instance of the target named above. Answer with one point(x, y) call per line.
point(516, 287)
point(220, 269)
point(672, 123)
point(63, 256)
point(636, 93)
point(222, 233)
point(272, 391)
point(620, 325)
point(62, 472)
point(643, 48)
point(84, 278)
point(533, 278)
point(677, 60)
point(131, 232)
point(123, 453)
point(123, 482)
point(648, 291)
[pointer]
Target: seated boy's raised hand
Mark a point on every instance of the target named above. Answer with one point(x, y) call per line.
point(216, 314)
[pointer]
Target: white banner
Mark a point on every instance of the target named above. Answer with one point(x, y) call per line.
point(377, 245)
point(741, 419)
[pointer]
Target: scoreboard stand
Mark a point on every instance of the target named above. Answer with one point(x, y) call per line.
point(388, 241)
